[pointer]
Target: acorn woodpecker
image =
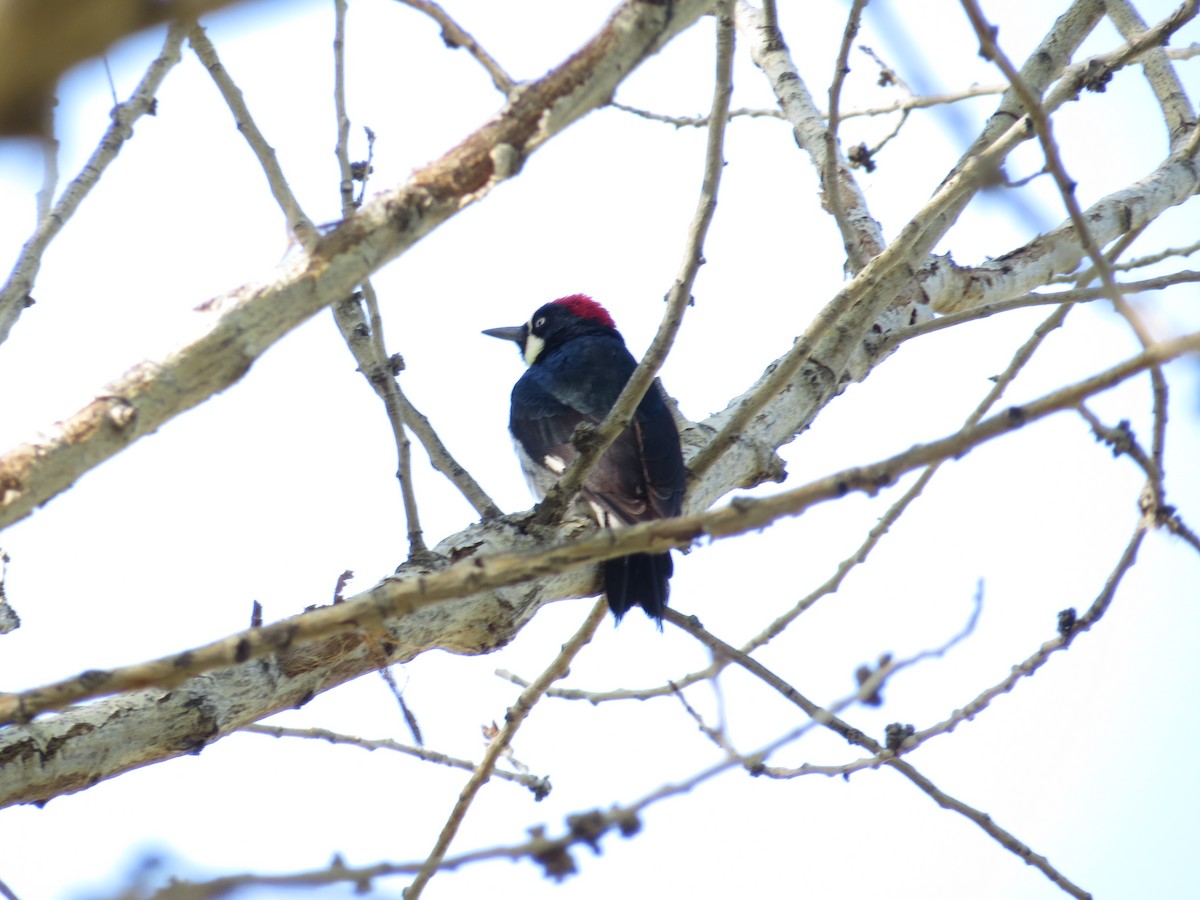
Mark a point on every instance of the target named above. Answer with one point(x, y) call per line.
point(578, 366)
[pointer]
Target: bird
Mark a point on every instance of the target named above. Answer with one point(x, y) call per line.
point(577, 365)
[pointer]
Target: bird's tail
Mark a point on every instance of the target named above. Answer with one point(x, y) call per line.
point(639, 580)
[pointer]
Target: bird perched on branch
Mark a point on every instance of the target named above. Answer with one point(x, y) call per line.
point(578, 366)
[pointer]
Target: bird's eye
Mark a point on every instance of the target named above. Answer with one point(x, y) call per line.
point(539, 322)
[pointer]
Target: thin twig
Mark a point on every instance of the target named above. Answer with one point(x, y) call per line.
point(989, 49)
point(339, 105)
point(513, 720)
point(369, 350)
point(363, 334)
point(916, 101)
point(833, 154)
point(298, 221)
point(14, 296)
point(679, 297)
point(400, 596)
point(1150, 259)
point(854, 736)
point(1122, 441)
point(299, 224)
point(1025, 301)
point(454, 35)
point(539, 785)
point(551, 853)
point(1032, 664)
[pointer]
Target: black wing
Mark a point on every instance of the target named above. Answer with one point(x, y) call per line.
point(641, 476)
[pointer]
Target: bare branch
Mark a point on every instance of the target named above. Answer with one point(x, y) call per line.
point(241, 325)
point(539, 785)
point(442, 461)
point(860, 232)
point(1028, 667)
point(9, 620)
point(679, 297)
point(1083, 234)
point(855, 736)
point(1078, 295)
point(299, 224)
point(830, 176)
point(1151, 258)
point(50, 144)
point(364, 335)
point(454, 36)
point(14, 296)
point(916, 101)
point(1176, 107)
point(513, 720)
point(401, 596)
point(951, 288)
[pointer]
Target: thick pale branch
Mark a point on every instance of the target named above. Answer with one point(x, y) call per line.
point(1176, 107)
point(951, 288)
point(240, 326)
point(860, 232)
point(414, 611)
point(834, 350)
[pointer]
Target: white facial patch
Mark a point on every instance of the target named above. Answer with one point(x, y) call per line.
point(555, 464)
point(533, 348)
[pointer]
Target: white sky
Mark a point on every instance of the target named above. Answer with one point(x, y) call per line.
point(272, 489)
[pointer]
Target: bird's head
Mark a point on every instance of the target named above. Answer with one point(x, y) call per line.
point(557, 321)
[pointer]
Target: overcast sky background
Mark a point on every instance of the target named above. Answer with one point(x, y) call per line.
point(270, 490)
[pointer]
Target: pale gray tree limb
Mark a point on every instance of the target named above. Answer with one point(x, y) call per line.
point(238, 327)
point(471, 606)
point(952, 288)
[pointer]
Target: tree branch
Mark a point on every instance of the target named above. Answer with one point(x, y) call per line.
point(292, 673)
point(560, 495)
point(539, 785)
point(239, 326)
point(513, 720)
point(455, 36)
point(14, 296)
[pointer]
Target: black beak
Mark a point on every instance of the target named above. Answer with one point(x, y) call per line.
point(515, 333)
